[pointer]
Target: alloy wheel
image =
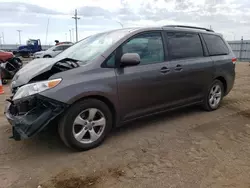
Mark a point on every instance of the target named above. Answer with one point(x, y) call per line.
point(215, 96)
point(89, 125)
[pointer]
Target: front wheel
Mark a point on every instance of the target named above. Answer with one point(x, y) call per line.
point(214, 96)
point(85, 125)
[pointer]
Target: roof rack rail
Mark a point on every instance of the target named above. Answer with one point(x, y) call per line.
point(191, 27)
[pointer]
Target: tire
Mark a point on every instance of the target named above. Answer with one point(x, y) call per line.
point(47, 56)
point(19, 62)
point(207, 104)
point(4, 81)
point(67, 129)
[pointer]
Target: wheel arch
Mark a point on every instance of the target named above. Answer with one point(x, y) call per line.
point(47, 55)
point(105, 100)
point(223, 81)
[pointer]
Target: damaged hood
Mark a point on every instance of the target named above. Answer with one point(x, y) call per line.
point(31, 70)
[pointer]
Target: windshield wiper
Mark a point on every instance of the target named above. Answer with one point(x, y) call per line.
point(73, 63)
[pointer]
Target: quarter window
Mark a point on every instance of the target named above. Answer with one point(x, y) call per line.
point(111, 61)
point(184, 45)
point(149, 46)
point(215, 45)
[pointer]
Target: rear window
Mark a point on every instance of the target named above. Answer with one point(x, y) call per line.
point(215, 45)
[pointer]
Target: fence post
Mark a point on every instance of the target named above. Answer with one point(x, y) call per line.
point(241, 46)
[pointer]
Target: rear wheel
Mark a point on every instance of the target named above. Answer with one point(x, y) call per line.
point(214, 96)
point(86, 124)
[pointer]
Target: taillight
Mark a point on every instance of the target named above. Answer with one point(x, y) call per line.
point(234, 60)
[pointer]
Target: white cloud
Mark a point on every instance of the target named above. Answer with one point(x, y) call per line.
point(13, 24)
point(31, 16)
point(69, 5)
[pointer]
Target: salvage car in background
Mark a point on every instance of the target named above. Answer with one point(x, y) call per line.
point(4, 56)
point(9, 65)
point(52, 52)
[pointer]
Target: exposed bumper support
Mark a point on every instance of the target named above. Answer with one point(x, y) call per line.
point(31, 115)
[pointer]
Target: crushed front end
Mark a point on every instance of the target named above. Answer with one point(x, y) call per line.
point(30, 115)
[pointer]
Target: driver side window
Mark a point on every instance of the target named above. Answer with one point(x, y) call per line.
point(149, 46)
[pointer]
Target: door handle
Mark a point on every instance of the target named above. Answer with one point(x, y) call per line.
point(178, 68)
point(164, 70)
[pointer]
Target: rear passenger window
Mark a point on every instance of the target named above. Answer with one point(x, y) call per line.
point(215, 45)
point(184, 45)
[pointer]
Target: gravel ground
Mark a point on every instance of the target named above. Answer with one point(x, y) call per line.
point(185, 148)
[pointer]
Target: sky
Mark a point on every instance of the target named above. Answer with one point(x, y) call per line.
point(35, 17)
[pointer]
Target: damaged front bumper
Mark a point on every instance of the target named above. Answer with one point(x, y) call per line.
point(31, 115)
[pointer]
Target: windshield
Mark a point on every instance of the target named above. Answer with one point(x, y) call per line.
point(51, 48)
point(31, 42)
point(93, 46)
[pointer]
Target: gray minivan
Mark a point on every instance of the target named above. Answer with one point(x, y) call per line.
point(111, 78)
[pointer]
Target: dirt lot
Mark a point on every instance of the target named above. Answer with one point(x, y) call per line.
point(186, 148)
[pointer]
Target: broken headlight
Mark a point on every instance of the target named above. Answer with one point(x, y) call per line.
point(31, 89)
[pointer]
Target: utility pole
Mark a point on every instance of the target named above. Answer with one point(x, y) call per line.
point(3, 38)
point(70, 35)
point(19, 31)
point(73, 39)
point(1, 42)
point(76, 18)
point(47, 30)
point(233, 35)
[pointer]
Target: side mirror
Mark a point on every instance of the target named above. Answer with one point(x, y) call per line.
point(130, 59)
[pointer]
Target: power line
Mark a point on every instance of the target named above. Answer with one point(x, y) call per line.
point(119, 23)
point(76, 18)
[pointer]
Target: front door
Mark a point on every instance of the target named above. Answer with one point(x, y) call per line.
point(143, 89)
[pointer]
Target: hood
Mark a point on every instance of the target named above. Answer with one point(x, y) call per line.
point(22, 47)
point(31, 70)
